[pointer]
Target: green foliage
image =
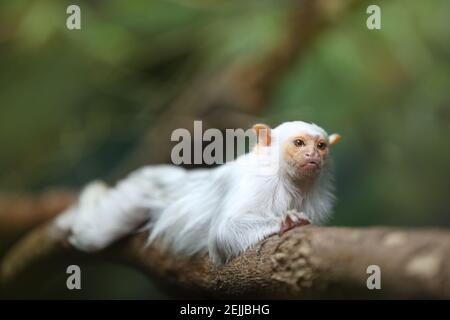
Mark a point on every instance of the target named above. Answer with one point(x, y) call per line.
point(387, 93)
point(74, 103)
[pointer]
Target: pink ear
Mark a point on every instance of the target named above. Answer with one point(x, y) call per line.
point(334, 138)
point(263, 134)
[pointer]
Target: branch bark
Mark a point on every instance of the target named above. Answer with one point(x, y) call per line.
point(306, 262)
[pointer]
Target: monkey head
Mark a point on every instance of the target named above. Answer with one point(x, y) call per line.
point(302, 148)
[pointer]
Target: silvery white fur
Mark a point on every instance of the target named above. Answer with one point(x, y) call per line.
point(223, 210)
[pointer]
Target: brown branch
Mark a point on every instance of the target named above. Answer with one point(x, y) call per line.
point(19, 212)
point(307, 262)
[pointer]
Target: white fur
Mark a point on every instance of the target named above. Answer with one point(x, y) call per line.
point(224, 210)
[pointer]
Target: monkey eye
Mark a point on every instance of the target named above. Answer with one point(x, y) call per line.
point(299, 142)
point(321, 145)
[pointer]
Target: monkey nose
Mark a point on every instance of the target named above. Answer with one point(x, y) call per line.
point(311, 154)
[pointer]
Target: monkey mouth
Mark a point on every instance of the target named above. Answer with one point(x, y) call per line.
point(311, 165)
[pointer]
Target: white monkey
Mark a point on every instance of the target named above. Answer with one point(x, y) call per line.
point(223, 210)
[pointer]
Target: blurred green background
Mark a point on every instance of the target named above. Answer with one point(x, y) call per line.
point(75, 104)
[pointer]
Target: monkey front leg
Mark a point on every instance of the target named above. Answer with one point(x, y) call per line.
point(292, 219)
point(232, 237)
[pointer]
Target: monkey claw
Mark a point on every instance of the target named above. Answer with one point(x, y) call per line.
point(293, 219)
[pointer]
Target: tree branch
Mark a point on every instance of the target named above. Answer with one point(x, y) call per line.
point(307, 262)
point(20, 212)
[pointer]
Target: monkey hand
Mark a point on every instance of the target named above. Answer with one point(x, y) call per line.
point(292, 219)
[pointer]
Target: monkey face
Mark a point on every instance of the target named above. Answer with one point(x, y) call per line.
point(303, 148)
point(305, 155)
